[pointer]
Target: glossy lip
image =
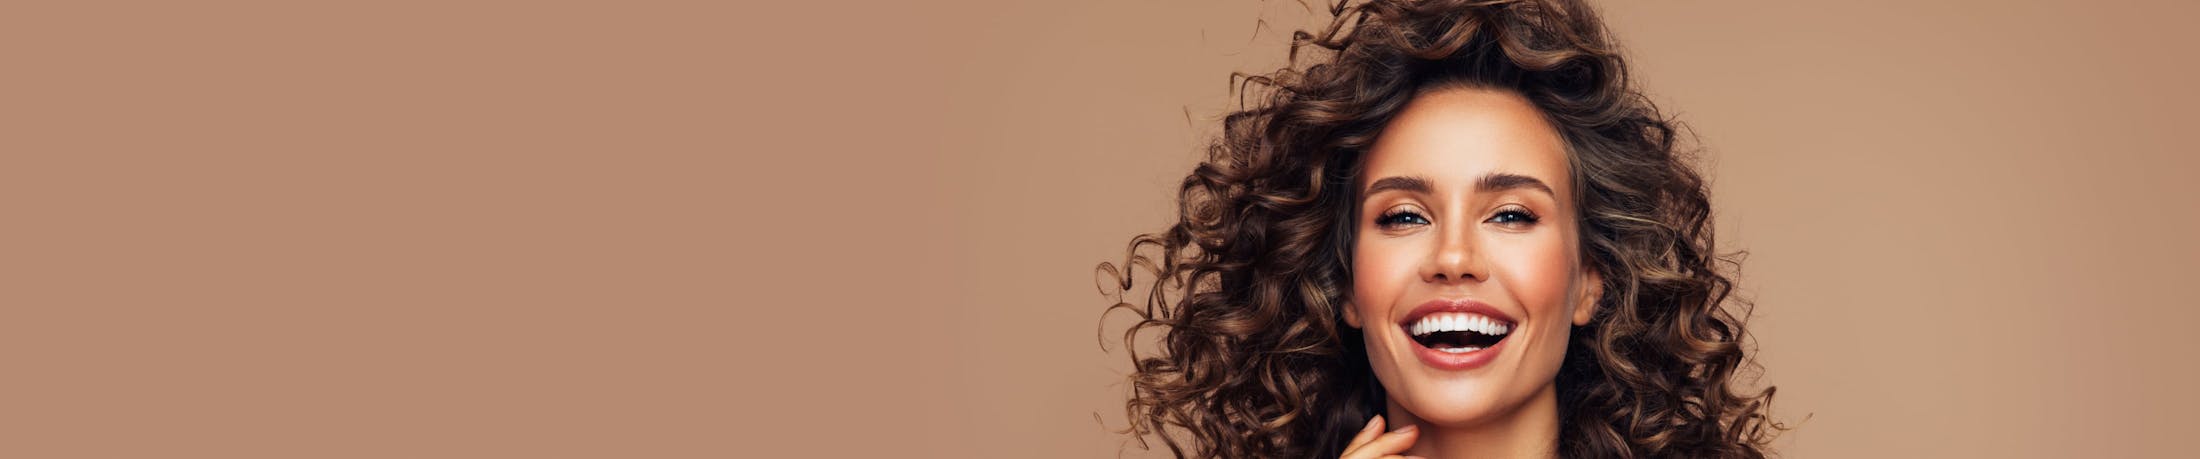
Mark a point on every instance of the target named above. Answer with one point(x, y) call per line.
point(1463, 361)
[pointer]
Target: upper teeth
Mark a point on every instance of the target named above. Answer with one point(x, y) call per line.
point(1444, 322)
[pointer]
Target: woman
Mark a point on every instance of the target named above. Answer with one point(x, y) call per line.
point(1460, 233)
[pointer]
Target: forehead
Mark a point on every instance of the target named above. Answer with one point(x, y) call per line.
point(1453, 136)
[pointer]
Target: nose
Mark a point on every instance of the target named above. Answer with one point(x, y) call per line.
point(1454, 260)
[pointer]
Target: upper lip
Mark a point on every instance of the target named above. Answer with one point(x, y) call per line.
point(1456, 305)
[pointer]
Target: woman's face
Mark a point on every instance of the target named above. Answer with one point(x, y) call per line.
point(1466, 267)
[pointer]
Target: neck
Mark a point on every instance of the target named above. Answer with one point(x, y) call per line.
point(1529, 430)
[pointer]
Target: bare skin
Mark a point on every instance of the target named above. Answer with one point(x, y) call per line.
point(1467, 196)
point(1374, 443)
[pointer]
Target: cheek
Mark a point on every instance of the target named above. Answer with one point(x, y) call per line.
point(1381, 271)
point(1539, 273)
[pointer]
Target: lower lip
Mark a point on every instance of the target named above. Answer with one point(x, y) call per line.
point(1457, 361)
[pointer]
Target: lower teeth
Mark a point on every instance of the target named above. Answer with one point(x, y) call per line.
point(1459, 350)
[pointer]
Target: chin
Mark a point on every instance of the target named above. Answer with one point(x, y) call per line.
point(1454, 404)
point(1458, 399)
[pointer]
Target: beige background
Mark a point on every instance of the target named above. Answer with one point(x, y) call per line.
point(658, 229)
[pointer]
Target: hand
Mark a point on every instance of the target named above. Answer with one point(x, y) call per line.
point(1374, 443)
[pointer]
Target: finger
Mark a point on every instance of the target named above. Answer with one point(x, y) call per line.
point(1394, 442)
point(1367, 434)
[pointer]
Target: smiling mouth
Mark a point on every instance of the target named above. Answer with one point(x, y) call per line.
point(1458, 332)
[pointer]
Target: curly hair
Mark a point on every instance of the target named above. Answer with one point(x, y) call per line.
point(1252, 359)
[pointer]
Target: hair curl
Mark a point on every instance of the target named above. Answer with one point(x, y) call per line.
point(1252, 358)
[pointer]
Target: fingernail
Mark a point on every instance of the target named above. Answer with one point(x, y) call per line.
point(1372, 422)
point(1409, 428)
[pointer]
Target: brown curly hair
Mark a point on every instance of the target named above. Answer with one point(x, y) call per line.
point(1253, 359)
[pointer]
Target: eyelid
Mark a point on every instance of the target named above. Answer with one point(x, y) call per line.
point(1399, 208)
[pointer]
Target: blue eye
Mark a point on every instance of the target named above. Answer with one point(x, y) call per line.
point(1513, 217)
point(1400, 217)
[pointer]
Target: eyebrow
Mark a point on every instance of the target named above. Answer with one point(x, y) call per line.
point(1489, 183)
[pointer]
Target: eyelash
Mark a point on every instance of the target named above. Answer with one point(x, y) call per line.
point(1519, 214)
point(1512, 215)
point(1392, 218)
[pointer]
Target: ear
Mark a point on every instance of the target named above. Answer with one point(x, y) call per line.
point(1351, 314)
point(1585, 307)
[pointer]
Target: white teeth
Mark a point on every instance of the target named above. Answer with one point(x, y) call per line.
point(1460, 350)
point(1444, 322)
point(1488, 326)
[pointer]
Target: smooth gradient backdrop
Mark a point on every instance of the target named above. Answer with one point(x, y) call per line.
point(833, 229)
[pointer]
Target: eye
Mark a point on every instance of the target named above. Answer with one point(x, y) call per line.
point(1514, 216)
point(1400, 216)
